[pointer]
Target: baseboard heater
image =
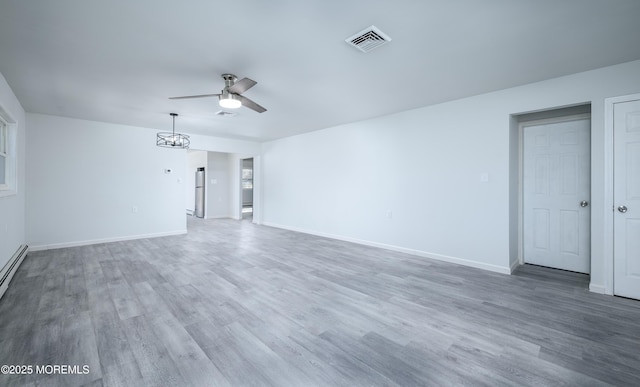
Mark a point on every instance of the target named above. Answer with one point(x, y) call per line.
point(11, 267)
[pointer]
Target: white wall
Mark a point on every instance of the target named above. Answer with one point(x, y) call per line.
point(195, 160)
point(84, 178)
point(218, 188)
point(412, 180)
point(12, 208)
point(224, 145)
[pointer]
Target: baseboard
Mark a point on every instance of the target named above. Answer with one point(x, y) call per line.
point(11, 267)
point(597, 288)
point(514, 265)
point(105, 240)
point(419, 253)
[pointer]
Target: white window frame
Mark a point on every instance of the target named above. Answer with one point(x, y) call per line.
point(3, 147)
point(8, 129)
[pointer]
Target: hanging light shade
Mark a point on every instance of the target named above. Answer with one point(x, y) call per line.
point(173, 139)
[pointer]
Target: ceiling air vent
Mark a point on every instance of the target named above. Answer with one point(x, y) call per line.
point(222, 113)
point(368, 39)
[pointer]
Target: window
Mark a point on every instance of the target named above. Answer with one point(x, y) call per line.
point(3, 153)
point(7, 154)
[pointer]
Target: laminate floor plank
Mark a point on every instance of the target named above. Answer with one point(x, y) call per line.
point(603, 372)
point(220, 347)
point(152, 303)
point(275, 369)
point(99, 297)
point(443, 369)
point(126, 303)
point(532, 371)
point(193, 364)
point(178, 304)
point(76, 347)
point(118, 364)
point(435, 365)
point(155, 364)
point(276, 333)
point(344, 364)
point(111, 271)
point(451, 328)
point(378, 359)
point(233, 303)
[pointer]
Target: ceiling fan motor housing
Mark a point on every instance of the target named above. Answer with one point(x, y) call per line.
point(229, 80)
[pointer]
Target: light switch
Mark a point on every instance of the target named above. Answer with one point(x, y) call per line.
point(484, 177)
point(214, 181)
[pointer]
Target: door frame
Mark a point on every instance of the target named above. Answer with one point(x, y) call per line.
point(253, 168)
point(257, 187)
point(609, 205)
point(521, 126)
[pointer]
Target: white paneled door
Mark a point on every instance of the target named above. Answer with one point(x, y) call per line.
point(626, 196)
point(556, 193)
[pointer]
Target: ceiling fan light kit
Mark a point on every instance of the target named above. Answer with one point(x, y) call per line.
point(173, 139)
point(229, 101)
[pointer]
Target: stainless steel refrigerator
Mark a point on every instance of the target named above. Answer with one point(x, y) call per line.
point(199, 207)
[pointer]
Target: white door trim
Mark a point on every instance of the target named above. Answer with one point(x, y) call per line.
point(521, 126)
point(608, 188)
point(238, 210)
point(257, 189)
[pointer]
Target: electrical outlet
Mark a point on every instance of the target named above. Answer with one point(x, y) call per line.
point(389, 214)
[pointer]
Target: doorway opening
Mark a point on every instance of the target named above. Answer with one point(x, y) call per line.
point(551, 188)
point(246, 182)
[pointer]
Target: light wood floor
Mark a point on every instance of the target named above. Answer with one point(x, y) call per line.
point(232, 303)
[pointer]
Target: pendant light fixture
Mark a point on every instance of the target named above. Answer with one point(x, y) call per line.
point(173, 139)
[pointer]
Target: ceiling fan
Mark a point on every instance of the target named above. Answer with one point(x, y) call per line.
point(230, 96)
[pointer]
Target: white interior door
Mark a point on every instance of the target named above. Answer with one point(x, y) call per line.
point(556, 193)
point(626, 196)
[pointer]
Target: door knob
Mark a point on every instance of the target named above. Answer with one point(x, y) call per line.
point(622, 209)
point(584, 203)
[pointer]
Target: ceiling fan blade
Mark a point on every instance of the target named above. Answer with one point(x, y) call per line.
point(246, 102)
point(242, 85)
point(195, 96)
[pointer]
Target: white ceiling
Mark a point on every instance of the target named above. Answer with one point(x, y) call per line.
point(119, 60)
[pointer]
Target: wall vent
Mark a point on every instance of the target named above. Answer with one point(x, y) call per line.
point(223, 113)
point(368, 39)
